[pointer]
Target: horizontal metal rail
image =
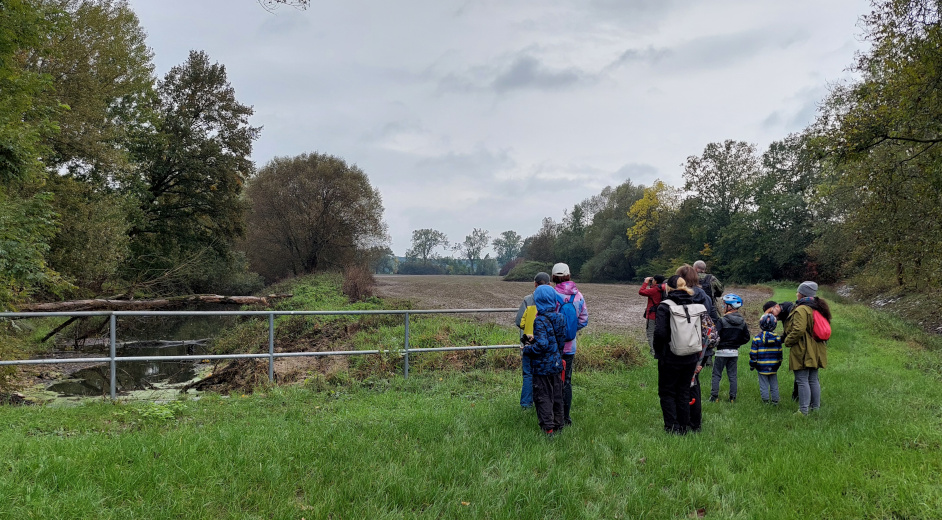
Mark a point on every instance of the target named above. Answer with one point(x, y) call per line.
point(113, 359)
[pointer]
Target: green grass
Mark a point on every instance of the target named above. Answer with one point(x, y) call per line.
point(447, 444)
point(387, 333)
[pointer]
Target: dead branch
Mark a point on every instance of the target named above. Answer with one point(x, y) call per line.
point(139, 305)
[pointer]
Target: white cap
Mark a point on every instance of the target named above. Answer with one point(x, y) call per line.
point(560, 269)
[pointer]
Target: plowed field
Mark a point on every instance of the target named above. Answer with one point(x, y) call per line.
point(613, 308)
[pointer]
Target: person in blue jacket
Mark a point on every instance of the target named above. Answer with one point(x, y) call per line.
point(545, 360)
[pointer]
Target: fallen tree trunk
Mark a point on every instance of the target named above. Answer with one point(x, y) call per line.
point(142, 305)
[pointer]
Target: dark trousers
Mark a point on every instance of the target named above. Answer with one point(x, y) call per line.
point(673, 389)
point(548, 401)
point(696, 407)
point(567, 386)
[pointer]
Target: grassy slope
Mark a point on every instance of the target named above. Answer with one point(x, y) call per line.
point(442, 445)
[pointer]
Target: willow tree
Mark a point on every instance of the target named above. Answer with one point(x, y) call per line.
point(311, 212)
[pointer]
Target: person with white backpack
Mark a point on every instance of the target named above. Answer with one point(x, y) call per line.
point(678, 346)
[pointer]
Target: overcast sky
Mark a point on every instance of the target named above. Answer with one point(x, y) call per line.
point(494, 114)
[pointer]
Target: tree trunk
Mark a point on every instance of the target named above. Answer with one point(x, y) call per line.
point(138, 305)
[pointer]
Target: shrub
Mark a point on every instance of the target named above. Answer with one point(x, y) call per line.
point(504, 269)
point(411, 267)
point(358, 283)
point(526, 271)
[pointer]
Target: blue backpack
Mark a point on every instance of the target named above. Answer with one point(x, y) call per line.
point(570, 314)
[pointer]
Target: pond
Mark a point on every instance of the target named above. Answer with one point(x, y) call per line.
point(134, 375)
point(139, 336)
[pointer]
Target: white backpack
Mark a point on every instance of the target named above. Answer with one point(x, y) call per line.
point(686, 336)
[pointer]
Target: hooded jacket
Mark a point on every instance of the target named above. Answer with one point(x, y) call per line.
point(548, 334)
point(568, 290)
point(734, 333)
point(805, 351)
point(662, 331)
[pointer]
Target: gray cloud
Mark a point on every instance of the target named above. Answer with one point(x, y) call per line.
point(711, 52)
point(528, 72)
point(802, 111)
point(523, 72)
point(480, 164)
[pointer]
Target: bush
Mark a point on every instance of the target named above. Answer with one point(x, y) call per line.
point(526, 271)
point(358, 283)
point(410, 267)
point(504, 269)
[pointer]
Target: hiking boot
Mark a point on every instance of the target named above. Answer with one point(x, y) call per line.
point(732, 399)
point(714, 398)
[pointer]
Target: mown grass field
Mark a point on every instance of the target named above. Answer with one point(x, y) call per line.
point(449, 444)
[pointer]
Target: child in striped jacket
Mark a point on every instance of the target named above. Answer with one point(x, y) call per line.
point(766, 357)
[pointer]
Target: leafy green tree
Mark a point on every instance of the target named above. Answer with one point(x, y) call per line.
point(472, 246)
point(612, 256)
point(570, 245)
point(424, 243)
point(193, 165)
point(311, 212)
point(540, 247)
point(883, 134)
point(101, 69)
point(507, 246)
point(96, 227)
point(723, 178)
point(27, 221)
point(26, 118)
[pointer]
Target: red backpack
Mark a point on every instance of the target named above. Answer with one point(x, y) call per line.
point(820, 327)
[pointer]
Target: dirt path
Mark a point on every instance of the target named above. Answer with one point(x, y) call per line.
point(613, 308)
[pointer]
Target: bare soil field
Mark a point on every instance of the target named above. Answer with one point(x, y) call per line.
point(612, 307)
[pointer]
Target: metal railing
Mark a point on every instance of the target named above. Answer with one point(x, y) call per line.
point(113, 359)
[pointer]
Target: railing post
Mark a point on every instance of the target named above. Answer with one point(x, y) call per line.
point(405, 357)
point(114, 367)
point(271, 347)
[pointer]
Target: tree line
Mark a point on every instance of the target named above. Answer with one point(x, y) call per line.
point(116, 183)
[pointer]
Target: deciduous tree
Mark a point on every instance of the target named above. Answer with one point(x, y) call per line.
point(473, 245)
point(311, 212)
point(424, 243)
point(101, 70)
point(193, 167)
point(507, 246)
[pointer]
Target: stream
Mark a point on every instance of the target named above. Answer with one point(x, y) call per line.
point(138, 336)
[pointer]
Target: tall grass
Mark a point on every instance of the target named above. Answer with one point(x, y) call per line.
point(456, 444)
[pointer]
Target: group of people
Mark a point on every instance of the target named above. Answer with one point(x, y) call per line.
point(548, 321)
point(805, 331)
point(691, 324)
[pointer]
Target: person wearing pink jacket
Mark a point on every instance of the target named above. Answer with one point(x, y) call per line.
point(569, 292)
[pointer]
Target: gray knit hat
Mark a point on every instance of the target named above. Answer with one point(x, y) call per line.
point(809, 289)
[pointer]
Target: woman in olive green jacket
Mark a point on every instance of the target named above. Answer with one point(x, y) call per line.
point(807, 354)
